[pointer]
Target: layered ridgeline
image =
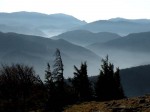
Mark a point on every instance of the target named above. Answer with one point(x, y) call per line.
point(49, 25)
point(131, 50)
point(84, 38)
point(118, 25)
point(138, 42)
point(37, 23)
point(37, 51)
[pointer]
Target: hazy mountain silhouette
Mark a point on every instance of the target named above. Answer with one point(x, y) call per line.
point(37, 51)
point(21, 29)
point(33, 21)
point(135, 80)
point(142, 21)
point(131, 50)
point(118, 25)
point(84, 38)
point(138, 42)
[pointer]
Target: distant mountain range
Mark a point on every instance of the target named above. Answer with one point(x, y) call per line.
point(37, 51)
point(118, 25)
point(37, 23)
point(141, 21)
point(84, 38)
point(128, 51)
point(136, 42)
point(125, 51)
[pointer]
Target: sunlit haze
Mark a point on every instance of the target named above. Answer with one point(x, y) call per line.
point(88, 10)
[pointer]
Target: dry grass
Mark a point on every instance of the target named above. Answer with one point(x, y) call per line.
point(138, 104)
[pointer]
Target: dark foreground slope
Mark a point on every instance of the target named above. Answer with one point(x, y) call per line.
point(136, 104)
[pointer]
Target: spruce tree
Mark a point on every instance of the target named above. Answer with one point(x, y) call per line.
point(58, 79)
point(48, 74)
point(108, 86)
point(50, 87)
point(119, 90)
point(81, 83)
point(55, 84)
point(58, 69)
point(49, 79)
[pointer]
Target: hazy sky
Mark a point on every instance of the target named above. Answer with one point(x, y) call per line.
point(88, 10)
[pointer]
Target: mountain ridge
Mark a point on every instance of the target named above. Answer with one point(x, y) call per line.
point(130, 42)
point(37, 51)
point(121, 27)
point(84, 37)
point(47, 24)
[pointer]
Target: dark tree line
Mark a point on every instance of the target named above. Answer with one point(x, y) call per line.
point(55, 85)
point(81, 83)
point(108, 86)
point(21, 90)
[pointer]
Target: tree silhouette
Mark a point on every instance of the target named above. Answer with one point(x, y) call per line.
point(108, 86)
point(119, 90)
point(81, 83)
point(19, 87)
point(58, 69)
point(48, 75)
point(50, 87)
point(55, 85)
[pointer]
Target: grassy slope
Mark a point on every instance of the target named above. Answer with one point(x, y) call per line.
point(137, 104)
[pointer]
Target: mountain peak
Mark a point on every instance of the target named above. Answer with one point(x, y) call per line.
point(117, 19)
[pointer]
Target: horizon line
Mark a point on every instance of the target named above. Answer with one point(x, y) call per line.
point(124, 18)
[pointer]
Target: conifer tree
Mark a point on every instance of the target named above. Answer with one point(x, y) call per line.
point(119, 90)
point(58, 69)
point(81, 83)
point(51, 90)
point(59, 83)
point(108, 86)
point(48, 75)
point(49, 79)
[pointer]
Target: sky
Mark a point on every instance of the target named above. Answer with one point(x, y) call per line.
point(88, 10)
